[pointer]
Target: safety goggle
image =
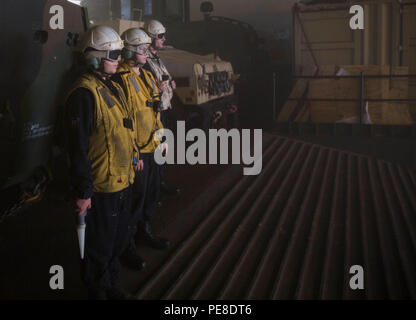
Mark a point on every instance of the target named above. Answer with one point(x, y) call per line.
point(113, 55)
point(142, 49)
point(161, 36)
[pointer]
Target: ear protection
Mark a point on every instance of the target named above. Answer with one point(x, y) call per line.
point(127, 54)
point(93, 62)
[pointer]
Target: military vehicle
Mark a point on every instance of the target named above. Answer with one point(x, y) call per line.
point(205, 94)
point(37, 63)
point(205, 88)
point(231, 40)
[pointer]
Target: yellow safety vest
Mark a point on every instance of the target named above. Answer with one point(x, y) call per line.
point(142, 95)
point(112, 145)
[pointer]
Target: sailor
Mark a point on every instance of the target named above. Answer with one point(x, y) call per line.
point(157, 32)
point(102, 152)
point(143, 94)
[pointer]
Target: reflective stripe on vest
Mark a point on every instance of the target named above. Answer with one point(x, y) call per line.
point(135, 84)
point(153, 84)
point(110, 103)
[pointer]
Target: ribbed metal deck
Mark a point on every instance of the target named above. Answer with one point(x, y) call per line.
point(294, 231)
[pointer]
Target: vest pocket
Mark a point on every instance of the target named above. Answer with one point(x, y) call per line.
point(120, 154)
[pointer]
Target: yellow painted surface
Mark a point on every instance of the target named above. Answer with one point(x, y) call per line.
point(409, 50)
point(392, 113)
point(327, 37)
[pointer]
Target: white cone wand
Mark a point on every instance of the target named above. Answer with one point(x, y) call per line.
point(81, 233)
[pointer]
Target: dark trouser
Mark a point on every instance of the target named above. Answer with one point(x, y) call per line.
point(106, 237)
point(164, 115)
point(146, 189)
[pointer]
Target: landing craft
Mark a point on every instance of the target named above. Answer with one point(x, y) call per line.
point(39, 39)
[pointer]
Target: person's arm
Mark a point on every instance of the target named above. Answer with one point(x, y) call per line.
point(159, 124)
point(161, 85)
point(80, 122)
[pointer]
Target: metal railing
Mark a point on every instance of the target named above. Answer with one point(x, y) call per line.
point(362, 99)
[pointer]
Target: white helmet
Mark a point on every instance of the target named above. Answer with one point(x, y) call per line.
point(154, 28)
point(101, 42)
point(102, 38)
point(136, 40)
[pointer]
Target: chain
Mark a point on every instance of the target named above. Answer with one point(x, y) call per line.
point(24, 197)
point(13, 209)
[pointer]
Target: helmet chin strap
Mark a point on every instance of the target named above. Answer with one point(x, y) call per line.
point(101, 70)
point(137, 63)
point(153, 47)
point(132, 62)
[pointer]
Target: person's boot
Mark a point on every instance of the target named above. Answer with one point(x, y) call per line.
point(169, 190)
point(146, 237)
point(131, 258)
